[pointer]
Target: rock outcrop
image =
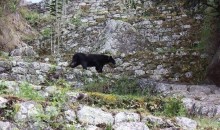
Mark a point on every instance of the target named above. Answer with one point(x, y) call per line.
point(119, 36)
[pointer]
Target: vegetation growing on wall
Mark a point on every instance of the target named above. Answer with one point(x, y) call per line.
point(8, 6)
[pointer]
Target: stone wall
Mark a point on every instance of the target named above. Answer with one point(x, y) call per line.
point(166, 35)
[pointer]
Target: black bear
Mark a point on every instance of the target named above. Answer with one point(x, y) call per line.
point(91, 60)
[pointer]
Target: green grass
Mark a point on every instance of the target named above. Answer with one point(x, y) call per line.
point(76, 21)
point(46, 32)
point(3, 88)
point(173, 107)
point(121, 86)
point(32, 17)
point(27, 91)
point(207, 124)
point(157, 105)
point(13, 5)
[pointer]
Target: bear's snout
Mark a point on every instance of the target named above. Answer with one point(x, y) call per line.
point(70, 65)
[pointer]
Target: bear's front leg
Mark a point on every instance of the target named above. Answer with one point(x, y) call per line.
point(99, 69)
point(84, 65)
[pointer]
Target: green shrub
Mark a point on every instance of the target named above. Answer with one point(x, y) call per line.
point(173, 107)
point(98, 85)
point(27, 91)
point(32, 17)
point(121, 86)
point(125, 85)
point(58, 98)
point(13, 5)
point(112, 101)
point(205, 123)
point(46, 32)
point(3, 88)
point(76, 21)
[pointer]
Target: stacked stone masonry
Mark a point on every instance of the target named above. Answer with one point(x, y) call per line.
point(168, 37)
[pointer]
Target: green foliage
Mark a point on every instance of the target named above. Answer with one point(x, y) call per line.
point(3, 88)
point(46, 32)
point(131, 4)
point(27, 91)
point(70, 127)
point(76, 21)
point(128, 86)
point(207, 124)
point(34, 18)
point(59, 98)
point(121, 86)
point(98, 85)
point(63, 83)
point(174, 107)
point(31, 16)
point(9, 112)
point(155, 104)
point(13, 5)
point(109, 127)
point(111, 101)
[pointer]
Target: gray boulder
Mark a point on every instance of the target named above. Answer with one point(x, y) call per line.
point(126, 117)
point(23, 51)
point(70, 115)
point(94, 116)
point(5, 65)
point(119, 36)
point(28, 111)
point(130, 126)
point(156, 121)
point(3, 102)
point(186, 123)
point(7, 126)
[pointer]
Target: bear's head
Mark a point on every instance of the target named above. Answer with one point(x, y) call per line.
point(111, 61)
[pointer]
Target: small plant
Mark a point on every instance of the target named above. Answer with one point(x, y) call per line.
point(99, 85)
point(13, 5)
point(109, 127)
point(70, 127)
point(46, 32)
point(174, 107)
point(59, 98)
point(207, 124)
point(8, 112)
point(125, 85)
point(121, 86)
point(27, 91)
point(3, 88)
point(63, 83)
point(31, 16)
point(131, 4)
point(126, 101)
point(76, 21)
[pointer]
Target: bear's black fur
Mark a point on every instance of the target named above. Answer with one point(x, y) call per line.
point(91, 60)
